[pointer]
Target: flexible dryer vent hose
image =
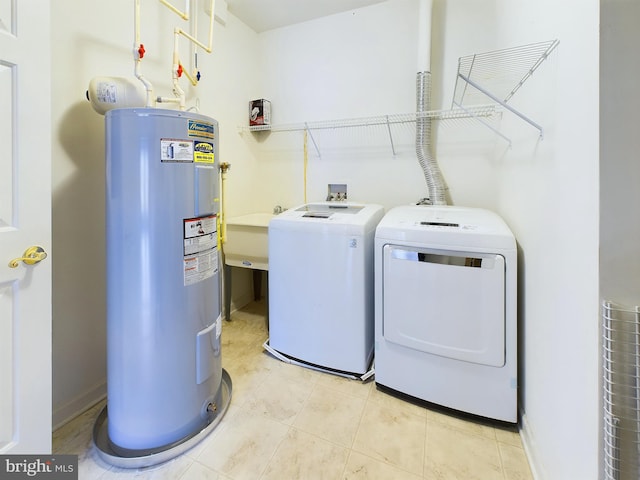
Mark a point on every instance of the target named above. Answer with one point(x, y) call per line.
point(424, 149)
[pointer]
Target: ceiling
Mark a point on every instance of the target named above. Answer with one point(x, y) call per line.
point(263, 15)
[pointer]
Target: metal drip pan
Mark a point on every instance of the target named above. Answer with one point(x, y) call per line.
point(146, 458)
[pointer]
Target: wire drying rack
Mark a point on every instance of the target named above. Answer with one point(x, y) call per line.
point(498, 75)
point(458, 112)
point(621, 391)
point(477, 111)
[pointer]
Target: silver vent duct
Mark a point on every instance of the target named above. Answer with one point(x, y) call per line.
point(424, 148)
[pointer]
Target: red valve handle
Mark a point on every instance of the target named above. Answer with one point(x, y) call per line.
point(141, 51)
point(180, 70)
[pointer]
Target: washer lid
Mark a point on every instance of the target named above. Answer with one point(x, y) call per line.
point(331, 216)
point(326, 210)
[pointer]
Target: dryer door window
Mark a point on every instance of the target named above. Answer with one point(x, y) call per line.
point(445, 303)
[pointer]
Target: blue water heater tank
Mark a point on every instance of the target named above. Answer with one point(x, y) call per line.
point(164, 368)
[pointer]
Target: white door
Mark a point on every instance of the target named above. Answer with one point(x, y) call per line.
point(25, 221)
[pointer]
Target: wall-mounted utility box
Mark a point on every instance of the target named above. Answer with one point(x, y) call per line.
point(259, 112)
point(336, 192)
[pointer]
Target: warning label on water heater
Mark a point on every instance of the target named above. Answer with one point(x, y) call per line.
point(175, 150)
point(200, 249)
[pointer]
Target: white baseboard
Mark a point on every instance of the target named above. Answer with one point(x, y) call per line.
point(74, 407)
point(529, 444)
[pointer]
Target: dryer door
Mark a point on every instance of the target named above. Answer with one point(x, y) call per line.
point(446, 303)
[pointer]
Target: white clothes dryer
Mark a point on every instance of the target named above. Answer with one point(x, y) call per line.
point(445, 308)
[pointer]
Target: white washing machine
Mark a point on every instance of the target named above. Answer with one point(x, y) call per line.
point(445, 308)
point(321, 280)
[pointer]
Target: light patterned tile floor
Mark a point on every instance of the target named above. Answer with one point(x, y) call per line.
point(286, 422)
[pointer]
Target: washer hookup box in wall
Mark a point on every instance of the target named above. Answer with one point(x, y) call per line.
point(259, 112)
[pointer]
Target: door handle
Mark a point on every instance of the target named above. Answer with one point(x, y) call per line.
point(31, 256)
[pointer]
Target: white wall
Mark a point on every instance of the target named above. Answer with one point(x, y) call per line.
point(357, 64)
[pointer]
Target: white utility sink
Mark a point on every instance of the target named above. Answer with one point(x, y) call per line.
point(246, 246)
point(247, 241)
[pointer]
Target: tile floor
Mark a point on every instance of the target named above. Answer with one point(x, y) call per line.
point(287, 422)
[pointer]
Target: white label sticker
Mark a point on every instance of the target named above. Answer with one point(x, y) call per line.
point(200, 249)
point(106, 92)
point(200, 267)
point(175, 150)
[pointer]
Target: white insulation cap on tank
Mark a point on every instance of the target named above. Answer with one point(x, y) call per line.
point(107, 93)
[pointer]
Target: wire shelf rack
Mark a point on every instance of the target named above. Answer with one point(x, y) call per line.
point(498, 75)
point(621, 391)
point(476, 111)
point(461, 112)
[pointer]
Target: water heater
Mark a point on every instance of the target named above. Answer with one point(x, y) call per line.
point(165, 382)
